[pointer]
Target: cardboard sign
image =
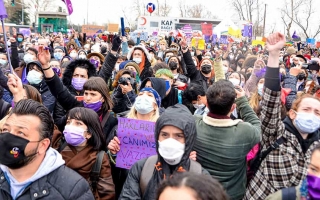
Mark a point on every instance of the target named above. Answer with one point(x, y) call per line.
point(137, 141)
point(143, 36)
point(113, 28)
point(206, 29)
point(90, 30)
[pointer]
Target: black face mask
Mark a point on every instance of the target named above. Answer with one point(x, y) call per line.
point(301, 76)
point(173, 65)
point(12, 152)
point(206, 69)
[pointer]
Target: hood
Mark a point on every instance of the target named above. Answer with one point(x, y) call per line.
point(68, 73)
point(143, 49)
point(37, 63)
point(180, 117)
point(158, 84)
point(52, 161)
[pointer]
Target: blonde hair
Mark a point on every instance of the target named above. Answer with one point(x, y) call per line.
point(133, 114)
point(254, 101)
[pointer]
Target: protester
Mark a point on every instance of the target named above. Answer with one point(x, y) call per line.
point(29, 166)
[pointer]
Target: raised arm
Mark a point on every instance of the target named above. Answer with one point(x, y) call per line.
point(191, 68)
point(218, 68)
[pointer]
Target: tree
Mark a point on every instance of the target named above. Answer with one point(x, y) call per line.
point(287, 14)
point(183, 8)
point(36, 6)
point(164, 9)
point(194, 11)
point(17, 18)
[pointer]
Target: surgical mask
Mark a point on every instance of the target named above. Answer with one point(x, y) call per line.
point(117, 67)
point(74, 135)
point(235, 82)
point(192, 53)
point(151, 44)
point(58, 56)
point(244, 49)
point(280, 59)
point(171, 151)
point(197, 106)
point(144, 104)
point(313, 186)
point(306, 123)
point(137, 60)
point(225, 69)
point(95, 106)
point(9, 43)
point(82, 56)
point(34, 77)
point(28, 58)
point(12, 152)
point(73, 55)
point(3, 62)
point(20, 39)
point(166, 59)
point(206, 69)
point(78, 83)
point(260, 89)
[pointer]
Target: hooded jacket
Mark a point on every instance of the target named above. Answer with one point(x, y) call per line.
point(158, 84)
point(146, 70)
point(180, 117)
point(52, 180)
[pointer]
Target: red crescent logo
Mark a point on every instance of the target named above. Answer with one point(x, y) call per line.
point(144, 21)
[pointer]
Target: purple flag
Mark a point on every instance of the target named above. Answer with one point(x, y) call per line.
point(247, 32)
point(69, 6)
point(294, 35)
point(224, 39)
point(214, 39)
point(3, 12)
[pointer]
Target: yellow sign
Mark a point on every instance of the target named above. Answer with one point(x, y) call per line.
point(257, 42)
point(198, 43)
point(235, 33)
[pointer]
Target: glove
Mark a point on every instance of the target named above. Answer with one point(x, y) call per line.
point(116, 42)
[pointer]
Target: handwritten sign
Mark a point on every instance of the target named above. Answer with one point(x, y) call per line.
point(137, 141)
point(113, 28)
point(206, 29)
point(143, 36)
point(90, 30)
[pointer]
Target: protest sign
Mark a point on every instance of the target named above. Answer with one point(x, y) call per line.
point(311, 41)
point(257, 42)
point(143, 36)
point(137, 141)
point(206, 29)
point(26, 32)
point(113, 28)
point(201, 44)
point(90, 30)
point(223, 39)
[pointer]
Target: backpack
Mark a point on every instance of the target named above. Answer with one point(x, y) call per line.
point(148, 168)
point(95, 170)
point(255, 163)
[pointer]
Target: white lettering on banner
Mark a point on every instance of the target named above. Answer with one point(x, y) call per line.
point(166, 25)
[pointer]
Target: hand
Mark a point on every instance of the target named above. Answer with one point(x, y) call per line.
point(275, 43)
point(259, 64)
point(114, 145)
point(126, 88)
point(218, 54)
point(13, 40)
point(183, 42)
point(193, 155)
point(44, 56)
point(15, 84)
point(294, 71)
point(239, 91)
point(116, 43)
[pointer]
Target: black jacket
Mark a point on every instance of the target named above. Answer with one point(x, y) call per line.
point(62, 183)
point(4, 108)
point(195, 75)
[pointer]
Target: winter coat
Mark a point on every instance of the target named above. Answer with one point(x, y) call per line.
point(146, 71)
point(122, 102)
point(4, 108)
point(172, 116)
point(286, 166)
point(223, 144)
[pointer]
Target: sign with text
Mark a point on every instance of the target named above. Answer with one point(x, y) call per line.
point(206, 29)
point(113, 28)
point(167, 25)
point(143, 36)
point(90, 30)
point(137, 141)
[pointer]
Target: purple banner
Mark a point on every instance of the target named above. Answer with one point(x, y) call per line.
point(207, 38)
point(223, 39)
point(26, 32)
point(69, 6)
point(247, 32)
point(214, 39)
point(137, 141)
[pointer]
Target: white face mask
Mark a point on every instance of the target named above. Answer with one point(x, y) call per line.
point(73, 55)
point(144, 104)
point(137, 60)
point(151, 44)
point(34, 77)
point(171, 151)
point(225, 69)
point(82, 56)
point(117, 67)
point(192, 53)
point(197, 106)
point(3, 62)
point(234, 81)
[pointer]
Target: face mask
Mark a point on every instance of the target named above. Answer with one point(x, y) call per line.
point(225, 69)
point(197, 106)
point(173, 65)
point(234, 81)
point(260, 89)
point(244, 49)
point(242, 84)
point(137, 60)
point(291, 60)
point(95, 106)
point(206, 69)
point(301, 77)
point(28, 58)
point(152, 44)
point(34, 77)
point(12, 152)
point(280, 59)
point(171, 150)
point(74, 135)
point(3, 62)
point(117, 67)
point(57, 71)
point(78, 83)
point(144, 104)
point(57, 56)
point(82, 56)
point(306, 123)
point(313, 186)
point(192, 53)
point(73, 55)
point(20, 39)
point(166, 59)
point(209, 47)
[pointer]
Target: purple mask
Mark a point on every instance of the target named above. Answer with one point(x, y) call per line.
point(313, 186)
point(96, 106)
point(94, 62)
point(57, 71)
point(74, 135)
point(78, 83)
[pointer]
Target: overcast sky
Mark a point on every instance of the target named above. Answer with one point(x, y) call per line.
point(110, 11)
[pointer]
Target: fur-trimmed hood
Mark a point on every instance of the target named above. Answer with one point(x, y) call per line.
point(68, 74)
point(146, 52)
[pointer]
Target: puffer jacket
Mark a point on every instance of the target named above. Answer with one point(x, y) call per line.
point(178, 116)
point(62, 183)
point(286, 166)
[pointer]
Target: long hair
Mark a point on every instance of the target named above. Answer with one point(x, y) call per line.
point(254, 101)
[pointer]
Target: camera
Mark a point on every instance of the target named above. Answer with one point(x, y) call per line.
point(124, 80)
